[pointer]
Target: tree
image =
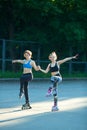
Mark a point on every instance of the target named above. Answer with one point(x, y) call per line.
point(59, 23)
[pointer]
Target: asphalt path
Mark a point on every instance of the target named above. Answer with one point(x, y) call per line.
point(72, 103)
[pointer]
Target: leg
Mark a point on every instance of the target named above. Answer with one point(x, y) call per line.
point(55, 83)
point(55, 96)
point(21, 87)
point(26, 92)
point(27, 77)
point(55, 106)
point(24, 78)
point(26, 105)
point(55, 80)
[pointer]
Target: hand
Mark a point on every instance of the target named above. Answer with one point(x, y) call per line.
point(13, 61)
point(39, 67)
point(76, 56)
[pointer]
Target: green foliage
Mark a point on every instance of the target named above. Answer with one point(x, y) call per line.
point(9, 74)
point(57, 22)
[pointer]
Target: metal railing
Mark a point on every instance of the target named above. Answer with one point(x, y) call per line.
point(6, 65)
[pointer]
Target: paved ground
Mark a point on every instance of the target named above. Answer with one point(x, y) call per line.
point(72, 114)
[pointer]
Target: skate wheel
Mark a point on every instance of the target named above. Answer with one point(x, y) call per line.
point(25, 108)
point(54, 110)
point(30, 107)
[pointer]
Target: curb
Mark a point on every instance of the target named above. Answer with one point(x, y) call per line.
point(40, 79)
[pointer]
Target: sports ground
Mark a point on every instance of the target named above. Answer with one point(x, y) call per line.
point(72, 114)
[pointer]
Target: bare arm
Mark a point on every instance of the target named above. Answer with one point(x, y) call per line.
point(34, 65)
point(18, 61)
point(67, 59)
point(44, 71)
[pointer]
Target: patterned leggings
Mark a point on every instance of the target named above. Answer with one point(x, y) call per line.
point(55, 81)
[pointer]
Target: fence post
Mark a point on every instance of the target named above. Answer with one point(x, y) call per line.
point(3, 55)
point(86, 67)
point(70, 62)
point(38, 56)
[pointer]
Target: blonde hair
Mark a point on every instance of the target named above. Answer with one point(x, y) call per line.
point(28, 52)
point(53, 54)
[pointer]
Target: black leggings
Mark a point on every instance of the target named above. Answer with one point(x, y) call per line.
point(24, 85)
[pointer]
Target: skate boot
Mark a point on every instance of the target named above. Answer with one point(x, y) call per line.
point(49, 92)
point(21, 94)
point(26, 106)
point(55, 108)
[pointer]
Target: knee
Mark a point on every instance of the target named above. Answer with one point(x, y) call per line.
point(59, 79)
point(25, 84)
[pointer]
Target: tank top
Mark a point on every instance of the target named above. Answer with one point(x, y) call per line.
point(54, 68)
point(27, 64)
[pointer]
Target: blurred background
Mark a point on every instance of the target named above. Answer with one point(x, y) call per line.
point(43, 26)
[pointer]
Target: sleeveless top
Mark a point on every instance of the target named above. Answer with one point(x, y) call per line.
point(55, 68)
point(27, 64)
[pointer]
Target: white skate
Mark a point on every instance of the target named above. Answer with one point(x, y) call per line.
point(49, 93)
point(55, 108)
point(26, 106)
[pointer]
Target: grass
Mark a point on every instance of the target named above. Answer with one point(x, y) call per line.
point(39, 74)
point(9, 74)
point(75, 75)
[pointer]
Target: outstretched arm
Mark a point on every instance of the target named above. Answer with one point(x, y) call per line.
point(44, 71)
point(67, 59)
point(17, 61)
